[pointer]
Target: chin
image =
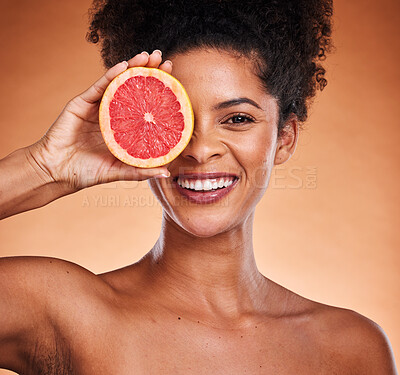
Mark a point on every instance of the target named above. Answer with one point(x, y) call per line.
point(200, 220)
point(203, 230)
point(203, 226)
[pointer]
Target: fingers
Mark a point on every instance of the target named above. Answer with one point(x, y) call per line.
point(166, 66)
point(151, 61)
point(128, 173)
point(144, 59)
point(155, 59)
point(96, 91)
point(139, 60)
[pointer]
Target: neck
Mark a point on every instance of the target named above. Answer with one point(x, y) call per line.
point(218, 274)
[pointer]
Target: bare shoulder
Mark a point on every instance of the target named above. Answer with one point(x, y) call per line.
point(37, 296)
point(31, 271)
point(39, 283)
point(351, 341)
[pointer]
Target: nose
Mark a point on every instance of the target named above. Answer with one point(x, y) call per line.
point(204, 146)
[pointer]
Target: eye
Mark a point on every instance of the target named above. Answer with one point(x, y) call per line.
point(239, 118)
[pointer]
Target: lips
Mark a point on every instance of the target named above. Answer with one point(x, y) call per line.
point(205, 188)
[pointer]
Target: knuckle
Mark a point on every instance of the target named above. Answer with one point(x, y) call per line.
point(73, 103)
point(97, 89)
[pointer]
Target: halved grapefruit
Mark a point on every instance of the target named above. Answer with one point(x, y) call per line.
point(146, 117)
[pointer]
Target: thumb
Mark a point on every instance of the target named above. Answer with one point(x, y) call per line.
point(129, 173)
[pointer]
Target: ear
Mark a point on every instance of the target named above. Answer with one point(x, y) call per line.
point(287, 140)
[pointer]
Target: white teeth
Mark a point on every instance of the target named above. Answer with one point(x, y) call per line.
point(198, 185)
point(227, 183)
point(205, 184)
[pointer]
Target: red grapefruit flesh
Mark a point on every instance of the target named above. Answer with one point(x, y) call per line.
point(146, 117)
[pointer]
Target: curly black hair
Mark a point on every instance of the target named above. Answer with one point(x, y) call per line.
point(287, 39)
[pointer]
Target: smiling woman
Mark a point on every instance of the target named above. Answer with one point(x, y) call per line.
point(235, 144)
point(196, 302)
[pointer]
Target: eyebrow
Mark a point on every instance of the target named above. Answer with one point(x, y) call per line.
point(236, 101)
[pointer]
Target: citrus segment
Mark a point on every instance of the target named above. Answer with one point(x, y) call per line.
point(146, 117)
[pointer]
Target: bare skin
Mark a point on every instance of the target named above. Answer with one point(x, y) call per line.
point(196, 303)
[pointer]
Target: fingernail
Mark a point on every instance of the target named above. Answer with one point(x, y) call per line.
point(125, 63)
point(145, 53)
point(168, 62)
point(161, 176)
point(157, 51)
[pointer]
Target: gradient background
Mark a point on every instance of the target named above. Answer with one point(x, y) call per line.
point(327, 228)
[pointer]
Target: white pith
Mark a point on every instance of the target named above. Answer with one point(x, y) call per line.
point(205, 184)
point(148, 117)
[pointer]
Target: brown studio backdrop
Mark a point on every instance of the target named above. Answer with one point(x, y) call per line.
point(328, 225)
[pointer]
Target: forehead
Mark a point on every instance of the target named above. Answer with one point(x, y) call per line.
point(211, 75)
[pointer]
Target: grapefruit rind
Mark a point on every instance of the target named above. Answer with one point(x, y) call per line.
point(186, 109)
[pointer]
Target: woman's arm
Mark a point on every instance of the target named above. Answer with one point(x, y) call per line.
point(72, 154)
point(24, 186)
point(38, 297)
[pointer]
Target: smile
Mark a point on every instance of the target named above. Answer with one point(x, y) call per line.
point(205, 188)
point(206, 184)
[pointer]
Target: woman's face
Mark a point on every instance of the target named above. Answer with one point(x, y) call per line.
point(232, 150)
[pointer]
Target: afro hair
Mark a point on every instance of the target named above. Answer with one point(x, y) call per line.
point(287, 39)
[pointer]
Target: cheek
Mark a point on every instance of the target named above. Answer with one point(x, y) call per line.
point(256, 156)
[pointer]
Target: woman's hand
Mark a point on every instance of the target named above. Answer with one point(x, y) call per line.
point(72, 152)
